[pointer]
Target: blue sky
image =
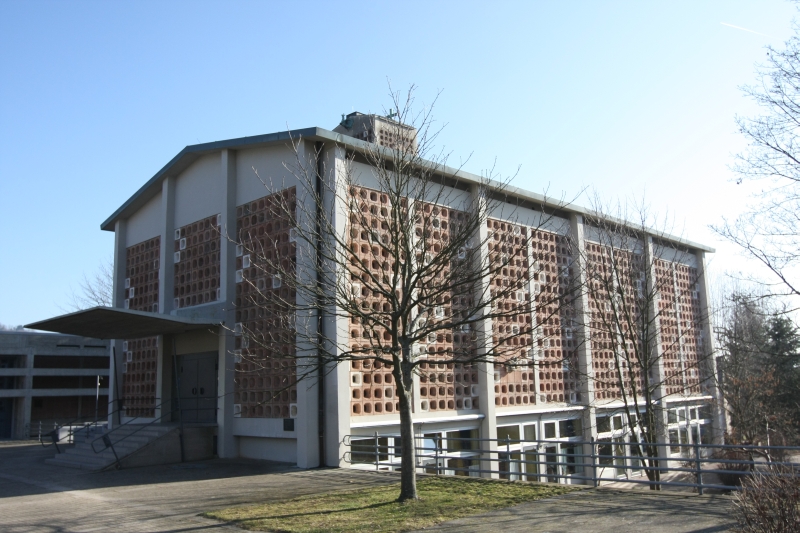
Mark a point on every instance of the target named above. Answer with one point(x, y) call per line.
point(628, 98)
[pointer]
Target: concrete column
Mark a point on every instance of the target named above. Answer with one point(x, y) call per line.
point(166, 272)
point(336, 326)
point(658, 376)
point(485, 369)
point(226, 442)
point(708, 366)
point(117, 356)
point(26, 402)
point(306, 423)
point(166, 282)
point(583, 332)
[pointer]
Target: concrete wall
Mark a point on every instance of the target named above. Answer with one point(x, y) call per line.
point(198, 191)
point(268, 162)
point(282, 450)
point(26, 346)
point(145, 223)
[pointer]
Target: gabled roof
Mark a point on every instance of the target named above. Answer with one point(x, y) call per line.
point(192, 153)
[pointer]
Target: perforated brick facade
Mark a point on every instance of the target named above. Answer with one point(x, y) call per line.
point(265, 339)
point(196, 256)
point(557, 336)
point(141, 355)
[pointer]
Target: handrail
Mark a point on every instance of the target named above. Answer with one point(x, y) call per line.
point(537, 459)
point(53, 434)
point(106, 438)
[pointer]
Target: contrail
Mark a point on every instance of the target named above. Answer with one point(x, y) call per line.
point(745, 29)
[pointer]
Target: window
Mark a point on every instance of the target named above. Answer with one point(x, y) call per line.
point(508, 433)
point(549, 430)
point(603, 424)
point(530, 432)
point(572, 458)
point(570, 428)
point(431, 443)
point(366, 450)
point(461, 440)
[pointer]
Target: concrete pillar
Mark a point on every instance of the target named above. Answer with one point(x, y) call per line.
point(306, 423)
point(336, 325)
point(658, 376)
point(708, 365)
point(485, 369)
point(166, 272)
point(22, 416)
point(117, 356)
point(226, 442)
point(583, 332)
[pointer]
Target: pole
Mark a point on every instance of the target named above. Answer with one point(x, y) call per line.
point(697, 468)
point(377, 453)
point(97, 400)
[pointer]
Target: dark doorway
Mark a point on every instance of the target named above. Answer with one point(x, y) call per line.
point(197, 376)
point(6, 418)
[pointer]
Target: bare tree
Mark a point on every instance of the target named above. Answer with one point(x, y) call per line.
point(395, 247)
point(95, 290)
point(645, 321)
point(770, 231)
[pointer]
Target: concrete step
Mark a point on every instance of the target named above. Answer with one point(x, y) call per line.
point(126, 441)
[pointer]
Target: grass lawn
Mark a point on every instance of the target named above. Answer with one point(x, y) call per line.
point(376, 509)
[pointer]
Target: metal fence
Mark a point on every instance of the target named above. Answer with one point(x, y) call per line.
point(593, 462)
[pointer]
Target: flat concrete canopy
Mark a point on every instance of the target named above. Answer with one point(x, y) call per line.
point(115, 323)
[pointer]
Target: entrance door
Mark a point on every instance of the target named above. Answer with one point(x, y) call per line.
point(6, 407)
point(198, 387)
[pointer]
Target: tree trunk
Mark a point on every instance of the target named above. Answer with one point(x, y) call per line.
point(408, 464)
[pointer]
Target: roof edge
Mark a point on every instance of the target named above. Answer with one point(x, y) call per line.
point(145, 192)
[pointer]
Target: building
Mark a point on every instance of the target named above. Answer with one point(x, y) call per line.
point(177, 281)
point(48, 379)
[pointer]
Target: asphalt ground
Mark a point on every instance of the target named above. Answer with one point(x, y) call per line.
point(35, 497)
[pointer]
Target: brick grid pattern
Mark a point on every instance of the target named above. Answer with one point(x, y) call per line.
point(603, 327)
point(196, 256)
point(265, 383)
point(372, 387)
point(141, 357)
point(691, 342)
point(443, 386)
point(556, 340)
point(508, 246)
point(681, 340)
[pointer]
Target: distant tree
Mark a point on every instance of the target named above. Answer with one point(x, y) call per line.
point(783, 361)
point(770, 231)
point(95, 290)
point(759, 371)
point(3, 327)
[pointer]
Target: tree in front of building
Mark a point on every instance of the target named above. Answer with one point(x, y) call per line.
point(392, 264)
point(645, 322)
point(769, 232)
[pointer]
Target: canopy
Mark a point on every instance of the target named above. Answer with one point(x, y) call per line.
point(115, 323)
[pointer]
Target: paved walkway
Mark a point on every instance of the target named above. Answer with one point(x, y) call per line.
point(606, 511)
point(35, 497)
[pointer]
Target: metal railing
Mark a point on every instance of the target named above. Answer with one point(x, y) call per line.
point(85, 425)
point(107, 441)
point(593, 462)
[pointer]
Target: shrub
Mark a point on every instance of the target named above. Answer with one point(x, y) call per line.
point(769, 502)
